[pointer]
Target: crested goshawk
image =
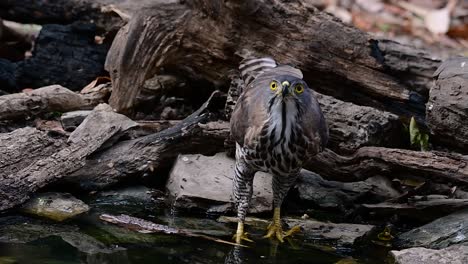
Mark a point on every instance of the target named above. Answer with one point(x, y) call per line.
point(277, 125)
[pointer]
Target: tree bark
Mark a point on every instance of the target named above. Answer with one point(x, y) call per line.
point(206, 39)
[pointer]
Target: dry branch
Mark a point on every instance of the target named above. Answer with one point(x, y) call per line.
point(144, 226)
point(48, 99)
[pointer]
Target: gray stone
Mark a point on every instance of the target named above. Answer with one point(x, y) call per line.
point(441, 233)
point(202, 182)
point(343, 234)
point(133, 200)
point(447, 110)
point(313, 189)
point(71, 120)
point(456, 254)
point(55, 206)
point(23, 230)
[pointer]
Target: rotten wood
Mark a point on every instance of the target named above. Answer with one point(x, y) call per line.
point(49, 99)
point(216, 35)
point(144, 226)
point(99, 129)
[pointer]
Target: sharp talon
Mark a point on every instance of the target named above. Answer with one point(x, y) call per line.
point(292, 231)
point(276, 231)
point(241, 235)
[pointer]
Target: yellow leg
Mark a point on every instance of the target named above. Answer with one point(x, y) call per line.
point(240, 234)
point(276, 231)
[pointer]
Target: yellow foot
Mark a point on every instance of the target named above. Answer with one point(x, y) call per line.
point(240, 234)
point(276, 231)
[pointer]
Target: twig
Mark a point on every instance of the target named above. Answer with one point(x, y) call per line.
point(144, 226)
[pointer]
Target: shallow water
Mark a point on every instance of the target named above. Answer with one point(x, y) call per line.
point(86, 239)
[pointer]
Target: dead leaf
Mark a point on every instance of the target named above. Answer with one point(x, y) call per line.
point(95, 82)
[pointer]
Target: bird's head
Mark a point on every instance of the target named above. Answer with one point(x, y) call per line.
point(287, 87)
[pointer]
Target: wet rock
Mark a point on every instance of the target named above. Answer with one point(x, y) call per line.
point(55, 206)
point(24, 230)
point(456, 254)
point(71, 120)
point(127, 200)
point(343, 234)
point(201, 182)
point(441, 233)
point(314, 190)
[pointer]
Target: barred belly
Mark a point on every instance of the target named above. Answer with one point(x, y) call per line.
point(281, 157)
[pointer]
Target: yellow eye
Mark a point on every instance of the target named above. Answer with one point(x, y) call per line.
point(273, 85)
point(299, 88)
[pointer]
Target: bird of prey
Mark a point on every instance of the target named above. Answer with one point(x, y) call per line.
point(277, 125)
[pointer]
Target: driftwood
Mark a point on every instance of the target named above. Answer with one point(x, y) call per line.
point(72, 57)
point(49, 99)
point(447, 110)
point(100, 127)
point(144, 226)
point(206, 39)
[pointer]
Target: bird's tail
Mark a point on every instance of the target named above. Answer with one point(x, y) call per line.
point(250, 68)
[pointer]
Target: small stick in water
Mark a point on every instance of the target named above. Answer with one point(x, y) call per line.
point(144, 226)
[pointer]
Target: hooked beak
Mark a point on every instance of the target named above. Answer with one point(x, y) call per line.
point(285, 90)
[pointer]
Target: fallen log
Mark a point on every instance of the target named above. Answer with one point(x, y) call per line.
point(49, 99)
point(215, 36)
point(101, 127)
